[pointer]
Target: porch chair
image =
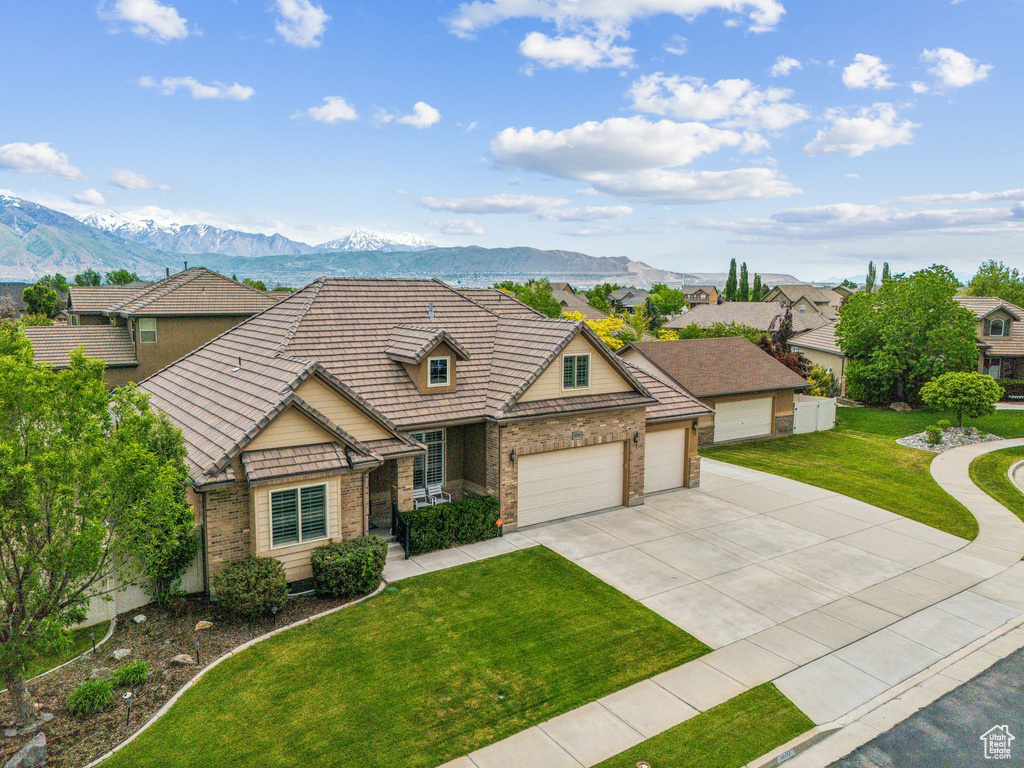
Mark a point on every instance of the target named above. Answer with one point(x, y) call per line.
point(437, 496)
point(420, 498)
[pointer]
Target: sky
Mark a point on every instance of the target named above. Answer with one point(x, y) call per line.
point(803, 137)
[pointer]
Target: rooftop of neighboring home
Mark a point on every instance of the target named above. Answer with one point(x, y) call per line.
point(573, 302)
point(562, 287)
point(814, 294)
point(499, 302)
point(690, 290)
point(822, 339)
point(96, 299)
point(712, 367)
point(358, 336)
point(110, 343)
point(763, 315)
point(987, 307)
point(627, 295)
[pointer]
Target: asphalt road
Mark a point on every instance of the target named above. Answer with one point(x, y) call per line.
point(947, 733)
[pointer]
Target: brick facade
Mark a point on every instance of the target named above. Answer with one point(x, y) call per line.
point(229, 534)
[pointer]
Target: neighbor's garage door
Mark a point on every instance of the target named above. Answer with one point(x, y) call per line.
point(743, 418)
point(569, 482)
point(664, 459)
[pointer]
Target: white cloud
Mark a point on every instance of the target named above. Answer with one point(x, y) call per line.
point(588, 213)
point(784, 65)
point(672, 186)
point(577, 51)
point(874, 127)
point(301, 23)
point(919, 87)
point(955, 69)
point(677, 46)
point(334, 110)
point(198, 90)
point(149, 19)
point(738, 103)
point(867, 71)
point(457, 227)
point(971, 197)
point(22, 157)
point(126, 179)
point(423, 116)
point(89, 197)
point(501, 203)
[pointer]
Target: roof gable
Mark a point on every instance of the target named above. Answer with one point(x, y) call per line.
point(196, 291)
point(412, 343)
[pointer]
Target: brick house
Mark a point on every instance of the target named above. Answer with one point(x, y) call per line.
point(1000, 335)
point(317, 417)
point(700, 294)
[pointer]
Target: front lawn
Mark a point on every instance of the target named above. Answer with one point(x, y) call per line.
point(989, 472)
point(434, 667)
point(727, 736)
point(860, 458)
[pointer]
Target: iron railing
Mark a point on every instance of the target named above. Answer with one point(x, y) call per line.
point(396, 518)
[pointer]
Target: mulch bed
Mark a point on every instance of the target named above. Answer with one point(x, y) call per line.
point(74, 741)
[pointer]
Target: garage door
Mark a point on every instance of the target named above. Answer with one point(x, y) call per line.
point(664, 459)
point(570, 482)
point(743, 418)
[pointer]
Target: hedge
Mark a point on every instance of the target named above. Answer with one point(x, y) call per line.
point(249, 588)
point(348, 568)
point(1013, 387)
point(451, 524)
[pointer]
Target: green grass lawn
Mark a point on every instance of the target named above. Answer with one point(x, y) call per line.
point(446, 663)
point(989, 472)
point(860, 458)
point(727, 736)
point(81, 641)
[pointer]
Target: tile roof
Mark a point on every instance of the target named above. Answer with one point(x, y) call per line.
point(411, 343)
point(726, 366)
point(813, 294)
point(982, 306)
point(277, 463)
point(499, 302)
point(674, 401)
point(195, 291)
point(572, 302)
point(53, 344)
point(97, 299)
point(689, 290)
point(763, 315)
point(823, 339)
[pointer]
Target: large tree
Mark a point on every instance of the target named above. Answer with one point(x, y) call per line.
point(757, 291)
point(743, 289)
point(536, 294)
point(667, 301)
point(994, 278)
point(89, 277)
point(90, 483)
point(869, 278)
point(906, 332)
point(121, 277)
point(40, 300)
point(730, 282)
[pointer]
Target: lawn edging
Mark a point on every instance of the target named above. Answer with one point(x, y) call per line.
point(233, 652)
point(1012, 472)
point(110, 632)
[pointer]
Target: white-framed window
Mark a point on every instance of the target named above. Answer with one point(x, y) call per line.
point(298, 514)
point(147, 330)
point(429, 469)
point(74, 319)
point(995, 328)
point(576, 371)
point(438, 371)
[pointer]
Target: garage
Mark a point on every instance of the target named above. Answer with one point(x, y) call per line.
point(743, 419)
point(570, 482)
point(664, 459)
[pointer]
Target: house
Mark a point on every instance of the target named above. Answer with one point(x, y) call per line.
point(845, 291)
point(1000, 335)
point(627, 298)
point(322, 415)
point(573, 302)
point(750, 392)
point(807, 298)
point(136, 331)
point(565, 287)
point(697, 295)
point(765, 316)
point(819, 345)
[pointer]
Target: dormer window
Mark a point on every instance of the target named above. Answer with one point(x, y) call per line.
point(438, 371)
point(576, 372)
point(996, 327)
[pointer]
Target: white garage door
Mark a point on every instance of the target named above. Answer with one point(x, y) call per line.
point(664, 459)
point(743, 418)
point(570, 482)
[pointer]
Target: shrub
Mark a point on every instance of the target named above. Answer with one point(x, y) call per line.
point(943, 424)
point(250, 588)
point(132, 673)
point(452, 524)
point(973, 394)
point(348, 568)
point(933, 433)
point(90, 697)
point(1012, 387)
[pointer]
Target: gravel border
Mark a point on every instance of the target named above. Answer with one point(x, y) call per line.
point(954, 437)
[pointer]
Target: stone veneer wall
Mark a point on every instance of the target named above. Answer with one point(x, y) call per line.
point(706, 435)
point(229, 535)
point(783, 425)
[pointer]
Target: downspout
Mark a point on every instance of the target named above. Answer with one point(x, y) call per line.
point(206, 551)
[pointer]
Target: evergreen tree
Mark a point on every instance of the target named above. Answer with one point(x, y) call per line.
point(743, 291)
point(757, 292)
point(885, 271)
point(730, 283)
point(869, 279)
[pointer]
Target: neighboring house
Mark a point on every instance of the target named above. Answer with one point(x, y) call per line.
point(750, 391)
point(320, 416)
point(627, 298)
point(697, 295)
point(820, 347)
point(562, 287)
point(845, 291)
point(499, 302)
point(573, 302)
point(764, 316)
point(158, 324)
point(807, 298)
point(1000, 336)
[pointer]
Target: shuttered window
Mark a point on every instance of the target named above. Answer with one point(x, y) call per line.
point(298, 514)
point(575, 371)
point(429, 469)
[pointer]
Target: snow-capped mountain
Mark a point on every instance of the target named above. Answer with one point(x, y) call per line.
point(370, 240)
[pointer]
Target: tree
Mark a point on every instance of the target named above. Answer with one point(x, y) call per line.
point(667, 301)
point(606, 328)
point(967, 392)
point(283, 289)
point(40, 300)
point(823, 383)
point(641, 320)
point(905, 333)
point(847, 283)
point(994, 278)
point(743, 290)
point(536, 294)
point(88, 481)
point(57, 281)
point(28, 320)
point(720, 330)
point(121, 277)
point(259, 285)
point(885, 272)
point(757, 291)
point(869, 278)
point(89, 277)
point(730, 282)
point(776, 344)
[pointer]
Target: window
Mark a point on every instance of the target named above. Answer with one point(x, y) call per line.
point(147, 330)
point(74, 319)
point(437, 372)
point(429, 469)
point(576, 372)
point(993, 367)
point(996, 327)
point(298, 514)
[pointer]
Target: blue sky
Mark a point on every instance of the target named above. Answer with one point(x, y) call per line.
point(802, 137)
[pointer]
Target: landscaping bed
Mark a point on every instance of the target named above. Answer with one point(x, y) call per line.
point(955, 437)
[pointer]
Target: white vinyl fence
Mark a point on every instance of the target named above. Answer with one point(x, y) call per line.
point(813, 414)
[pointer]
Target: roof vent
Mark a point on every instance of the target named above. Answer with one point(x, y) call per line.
point(186, 266)
point(239, 366)
point(430, 310)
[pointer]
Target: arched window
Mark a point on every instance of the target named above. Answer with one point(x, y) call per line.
point(996, 327)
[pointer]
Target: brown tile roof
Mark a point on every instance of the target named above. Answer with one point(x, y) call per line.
point(689, 290)
point(710, 367)
point(277, 463)
point(763, 315)
point(53, 344)
point(572, 302)
point(97, 299)
point(812, 293)
point(823, 339)
point(196, 291)
point(499, 302)
point(580, 403)
point(982, 307)
point(674, 401)
point(411, 343)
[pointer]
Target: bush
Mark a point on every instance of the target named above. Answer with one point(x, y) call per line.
point(1012, 387)
point(972, 394)
point(452, 524)
point(348, 568)
point(933, 434)
point(132, 673)
point(250, 588)
point(90, 697)
point(943, 424)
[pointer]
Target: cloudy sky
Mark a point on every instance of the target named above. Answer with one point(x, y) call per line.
point(802, 137)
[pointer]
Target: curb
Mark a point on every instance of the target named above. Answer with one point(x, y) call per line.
point(794, 747)
point(1012, 474)
point(238, 649)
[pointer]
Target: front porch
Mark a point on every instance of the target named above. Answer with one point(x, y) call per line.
point(1003, 367)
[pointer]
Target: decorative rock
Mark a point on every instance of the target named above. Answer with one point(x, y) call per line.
point(32, 755)
point(204, 625)
point(954, 437)
point(140, 619)
point(101, 673)
point(900, 407)
point(10, 733)
point(46, 717)
point(183, 660)
point(122, 653)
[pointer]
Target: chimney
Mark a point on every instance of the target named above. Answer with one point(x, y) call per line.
point(430, 310)
point(167, 271)
point(186, 266)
